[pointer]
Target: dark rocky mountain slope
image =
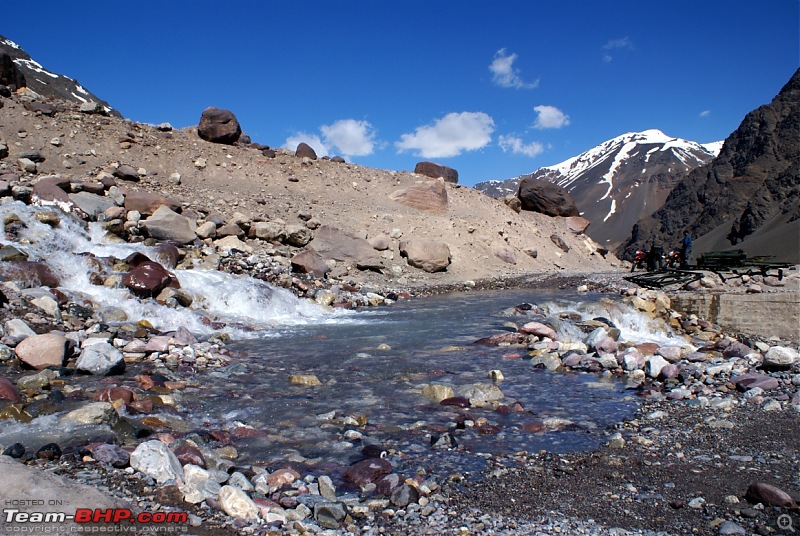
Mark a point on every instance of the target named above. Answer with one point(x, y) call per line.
point(748, 197)
point(18, 70)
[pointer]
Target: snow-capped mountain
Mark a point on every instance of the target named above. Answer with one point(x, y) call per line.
point(18, 69)
point(621, 180)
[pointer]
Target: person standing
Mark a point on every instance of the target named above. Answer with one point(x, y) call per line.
point(687, 249)
point(656, 257)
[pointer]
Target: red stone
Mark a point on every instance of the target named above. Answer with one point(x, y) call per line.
point(188, 454)
point(367, 471)
point(533, 427)
point(110, 394)
point(8, 391)
point(768, 495)
point(148, 279)
point(456, 401)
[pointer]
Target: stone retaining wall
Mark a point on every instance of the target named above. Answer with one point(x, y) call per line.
point(765, 315)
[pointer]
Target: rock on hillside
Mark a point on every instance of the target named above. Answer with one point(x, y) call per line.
point(749, 196)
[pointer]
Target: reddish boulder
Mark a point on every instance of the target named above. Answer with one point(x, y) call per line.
point(8, 391)
point(52, 191)
point(539, 329)
point(111, 394)
point(502, 338)
point(282, 476)
point(167, 254)
point(547, 198)
point(147, 202)
point(186, 453)
point(126, 172)
point(309, 261)
point(148, 279)
point(768, 495)
point(751, 380)
point(110, 454)
point(29, 273)
point(427, 196)
point(387, 484)
point(558, 241)
point(433, 170)
point(219, 126)
point(42, 351)
point(366, 471)
point(577, 224)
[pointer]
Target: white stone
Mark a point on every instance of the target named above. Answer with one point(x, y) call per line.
point(326, 488)
point(236, 503)
point(100, 358)
point(17, 329)
point(481, 394)
point(780, 356)
point(154, 459)
point(654, 365)
point(198, 485)
point(93, 413)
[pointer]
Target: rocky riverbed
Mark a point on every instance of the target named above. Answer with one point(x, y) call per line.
point(116, 303)
point(713, 449)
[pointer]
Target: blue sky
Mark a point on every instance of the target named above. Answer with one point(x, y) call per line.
point(493, 89)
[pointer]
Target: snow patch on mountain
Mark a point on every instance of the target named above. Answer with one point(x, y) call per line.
point(622, 146)
point(714, 147)
point(9, 42)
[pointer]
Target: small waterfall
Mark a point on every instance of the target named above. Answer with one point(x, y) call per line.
point(634, 325)
point(247, 306)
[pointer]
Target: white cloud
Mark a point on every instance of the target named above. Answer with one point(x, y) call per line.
point(347, 136)
point(623, 43)
point(450, 135)
point(550, 117)
point(504, 74)
point(351, 137)
point(313, 140)
point(516, 146)
point(705, 113)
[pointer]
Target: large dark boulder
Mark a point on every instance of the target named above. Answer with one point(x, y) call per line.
point(148, 279)
point(10, 75)
point(304, 150)
point(434, 170)
point(52, 191)
point(29, 273)
point(219, 126)
point(547, 198)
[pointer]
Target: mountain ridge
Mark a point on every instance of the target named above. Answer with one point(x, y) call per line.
point(619, 181)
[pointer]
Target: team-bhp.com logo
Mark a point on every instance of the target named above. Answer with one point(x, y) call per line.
point(157, 521)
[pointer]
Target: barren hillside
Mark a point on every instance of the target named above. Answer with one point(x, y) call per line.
point(486, 238)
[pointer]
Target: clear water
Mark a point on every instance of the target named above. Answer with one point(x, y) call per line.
point(368, 395)
point(431, 341)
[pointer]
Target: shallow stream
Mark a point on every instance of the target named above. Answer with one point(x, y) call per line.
point(371, 364)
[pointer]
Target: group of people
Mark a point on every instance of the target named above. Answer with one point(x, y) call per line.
point(655, 258)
